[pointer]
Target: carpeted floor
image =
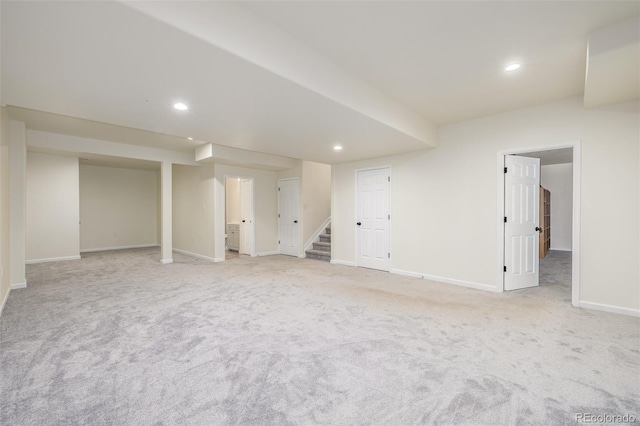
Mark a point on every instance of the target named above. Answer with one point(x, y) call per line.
point(119, 339)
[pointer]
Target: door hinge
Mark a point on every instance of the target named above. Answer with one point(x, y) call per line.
point(279, 187)
point(389, 216)
point(505, 219)
point(505, 170)
point(279, 216)
point(278, 241)
point(388, 178)
point(505, 269)
point(389, 255)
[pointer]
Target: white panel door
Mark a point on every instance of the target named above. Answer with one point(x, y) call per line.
point(246, 212)
point(373, 218)
point(521, 230)
point(288, 216)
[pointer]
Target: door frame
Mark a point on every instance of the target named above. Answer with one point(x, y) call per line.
point(300, 248)
point(575, 241)
point(253, 207)
point(355, 212)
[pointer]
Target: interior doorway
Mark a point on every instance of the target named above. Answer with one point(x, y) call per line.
point(239, 216)
point(552, 209)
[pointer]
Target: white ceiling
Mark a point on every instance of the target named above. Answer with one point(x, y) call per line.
point(387, 66)
point(445, 59)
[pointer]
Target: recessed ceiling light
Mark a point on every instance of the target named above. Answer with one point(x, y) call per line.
point(180, 106)
point(337, 148)
point(190, 138)
point(512, 67)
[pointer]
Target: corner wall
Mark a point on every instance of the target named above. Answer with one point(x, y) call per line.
point(52, 208)
point(118, 208)
point(445, 201)
point(558, 179)
point(5, 283)
point(193, 210)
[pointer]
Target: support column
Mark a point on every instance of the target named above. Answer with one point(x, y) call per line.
point(17, 203)
point(166, 243)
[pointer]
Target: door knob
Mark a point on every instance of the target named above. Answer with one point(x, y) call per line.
point(295, 221)
point(359, 223)
point(538, 229)
point(243, 221)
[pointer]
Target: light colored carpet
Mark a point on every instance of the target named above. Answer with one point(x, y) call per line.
point(118, 339)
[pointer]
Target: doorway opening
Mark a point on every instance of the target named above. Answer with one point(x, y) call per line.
point(239, 217)
point(551, 210)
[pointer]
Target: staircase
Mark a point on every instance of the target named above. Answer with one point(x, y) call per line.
point(321, 249)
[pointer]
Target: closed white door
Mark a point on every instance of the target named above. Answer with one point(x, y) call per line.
point(373, 219)
point(288, 216)
point(522, 216)
point(246, 212)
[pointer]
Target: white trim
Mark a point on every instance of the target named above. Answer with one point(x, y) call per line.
point(469, 284)
point(18, 286)
point(406, 273)
point(266, 253)
point(355, 233)
point(609, 308)
point(462, 283)
point(166, 261)
point(575, 244)
point(52, 259)
point(218, 259)
point(4, 301)
point(315, 236)
point(118, 248)
point(343, 262)
point(560, 249)
point(199, 256)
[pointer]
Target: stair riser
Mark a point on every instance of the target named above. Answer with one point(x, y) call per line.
point(325, 239)
point(327, 231)
point(317, 257)
point(322, 248)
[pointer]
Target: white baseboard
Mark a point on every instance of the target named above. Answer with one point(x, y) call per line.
point(4, 301)
point(118, 248)
point(218, 259)
point(18, 286)
point(560, 249)
point(453, 281)
point(406, 273)
point(267, 253)
point(462, 283)
point(196, 255)
point(343, 262)
point(609, 308)
point(315, 235)
point(166, 261)
point(52, 259)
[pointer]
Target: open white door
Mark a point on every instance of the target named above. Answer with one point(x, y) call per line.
point(288, 216)
point(246, 211)
point(522, 221)
point(373, 218)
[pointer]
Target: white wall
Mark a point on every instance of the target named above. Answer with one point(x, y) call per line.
point(118, 207)
point(316, 196)
point(52, 204)
point(265, 205)
point(232, 200)
point(193, 210)
point(444, 201)
point(5, 283)
point(558, 179)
